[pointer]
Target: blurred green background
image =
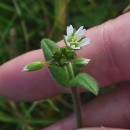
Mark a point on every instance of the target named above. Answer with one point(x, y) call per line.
point(23, 23)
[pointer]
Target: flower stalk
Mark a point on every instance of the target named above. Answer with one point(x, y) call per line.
point(77, 106)
point(75, 97)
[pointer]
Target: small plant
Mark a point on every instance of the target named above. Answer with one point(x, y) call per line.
point(64, 65)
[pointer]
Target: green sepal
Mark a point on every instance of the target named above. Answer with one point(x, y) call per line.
point(85, 81)
point(58, 73)
point(69, 53)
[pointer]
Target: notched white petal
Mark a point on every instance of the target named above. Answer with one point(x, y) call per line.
point(79, 30)
point(80, 35)
point(70, 30)
point(82, 32)
point(84, 42)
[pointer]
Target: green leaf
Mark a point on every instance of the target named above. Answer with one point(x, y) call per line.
point(49, 47)
point(59, 73)
point(85, 81)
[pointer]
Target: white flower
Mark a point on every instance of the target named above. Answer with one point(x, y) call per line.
point(75, 39)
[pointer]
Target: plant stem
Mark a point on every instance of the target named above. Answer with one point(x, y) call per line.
point(76, 98)
point(77, 106)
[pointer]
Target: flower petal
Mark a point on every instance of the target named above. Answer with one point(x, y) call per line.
point(70, 30)
point(79, 31)
point(84, 42)
point(80, 35)
point(66, 41)
point(75, 48)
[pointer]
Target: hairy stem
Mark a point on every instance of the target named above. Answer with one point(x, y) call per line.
point(76, 98)
point(77, 106)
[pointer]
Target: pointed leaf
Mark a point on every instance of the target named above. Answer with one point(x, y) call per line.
point(85, 81)
point(49, 47)
point(58, 73)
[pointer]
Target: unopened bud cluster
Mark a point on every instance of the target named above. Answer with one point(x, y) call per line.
point(63, 57)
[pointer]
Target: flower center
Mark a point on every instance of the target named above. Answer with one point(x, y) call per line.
point(73, 41)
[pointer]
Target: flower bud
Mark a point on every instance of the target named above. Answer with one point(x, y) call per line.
point(63, 61)
point(56, 55)
point(33, 66)
point(69, 53)
point(80, 62)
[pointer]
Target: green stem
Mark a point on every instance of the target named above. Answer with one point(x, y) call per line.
point(76, 98)
point(77, 106)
